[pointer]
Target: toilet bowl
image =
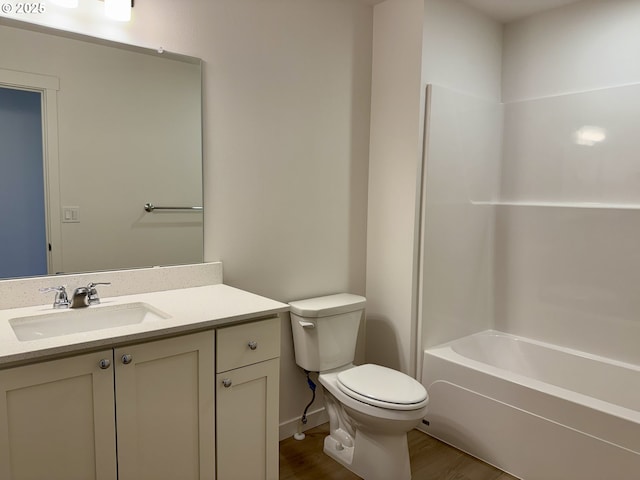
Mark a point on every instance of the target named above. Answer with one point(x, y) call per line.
point(377, 429)
point(371, 408)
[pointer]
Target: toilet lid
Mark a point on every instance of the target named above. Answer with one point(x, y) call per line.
point(381, 386)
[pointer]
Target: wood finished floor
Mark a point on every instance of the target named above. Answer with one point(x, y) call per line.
point(430, 460)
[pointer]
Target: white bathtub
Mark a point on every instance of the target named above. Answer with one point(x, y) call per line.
point(536, 410)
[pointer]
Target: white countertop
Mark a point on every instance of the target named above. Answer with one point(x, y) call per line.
point(189, 309)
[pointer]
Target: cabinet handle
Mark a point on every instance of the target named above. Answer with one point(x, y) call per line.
point(226, 382)
point(253, 345)
point(127, 359)
point(104, 363)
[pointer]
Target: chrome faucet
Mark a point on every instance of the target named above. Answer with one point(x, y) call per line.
point(61, 300)
point(79, 298)
point(92, 296)
point(82, 296)
point(85, 296)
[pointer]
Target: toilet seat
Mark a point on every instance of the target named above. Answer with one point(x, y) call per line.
point(382, 387)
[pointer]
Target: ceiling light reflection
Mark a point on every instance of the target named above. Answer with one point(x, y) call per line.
point(589, 135)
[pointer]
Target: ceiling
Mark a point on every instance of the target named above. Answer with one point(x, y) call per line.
point(508, 10)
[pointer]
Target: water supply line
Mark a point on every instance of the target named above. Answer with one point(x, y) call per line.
point(299, 435)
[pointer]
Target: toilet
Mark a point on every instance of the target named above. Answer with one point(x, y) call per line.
point(371, 408)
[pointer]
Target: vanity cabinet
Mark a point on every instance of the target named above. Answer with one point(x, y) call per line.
point(164, 397)
point(59, 418)
point(247, 386)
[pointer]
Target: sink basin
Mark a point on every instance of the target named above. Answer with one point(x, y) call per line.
point(66, 322)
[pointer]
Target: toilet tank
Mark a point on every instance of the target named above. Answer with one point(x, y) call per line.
point(325, 330)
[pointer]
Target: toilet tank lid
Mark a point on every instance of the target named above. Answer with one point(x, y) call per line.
point(328, 305)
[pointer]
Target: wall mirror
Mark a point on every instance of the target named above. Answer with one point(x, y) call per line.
point(90, 132)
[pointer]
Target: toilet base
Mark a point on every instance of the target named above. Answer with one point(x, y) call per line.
point(373, 457)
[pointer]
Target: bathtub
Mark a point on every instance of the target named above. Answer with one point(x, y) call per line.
point(535, 410)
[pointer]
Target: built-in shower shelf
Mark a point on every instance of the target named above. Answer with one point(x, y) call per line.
point(589, 205)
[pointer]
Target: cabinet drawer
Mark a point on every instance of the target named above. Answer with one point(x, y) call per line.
point(247, 343)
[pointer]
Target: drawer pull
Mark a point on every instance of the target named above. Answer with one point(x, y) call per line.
point(127, 359)
point(227, 382)
point(253, 345)
point(104, 363)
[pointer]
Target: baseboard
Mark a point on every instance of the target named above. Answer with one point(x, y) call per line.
point(422, 427)
point(315, 418)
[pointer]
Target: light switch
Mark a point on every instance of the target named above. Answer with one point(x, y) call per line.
point(70, 214)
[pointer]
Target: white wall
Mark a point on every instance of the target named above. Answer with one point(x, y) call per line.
point(416, 43)
point(462, 172)
point(462, 49)
point(558, 270)
point(566, 274)
point(286, 140)
point(583, 46)
point(462, 58)
point(394, 169)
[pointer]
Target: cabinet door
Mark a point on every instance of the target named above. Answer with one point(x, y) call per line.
point(247, 422)
point(165, 409)
point(57, 420)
